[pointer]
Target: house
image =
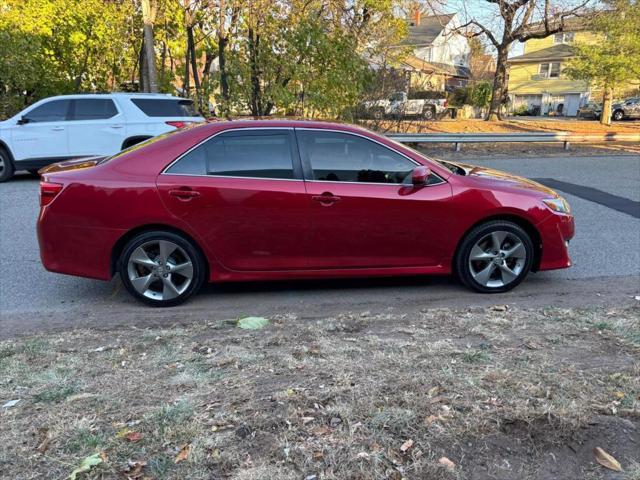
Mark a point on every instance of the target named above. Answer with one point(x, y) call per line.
point(537, 83)
point(439, 55)
point(482, 68)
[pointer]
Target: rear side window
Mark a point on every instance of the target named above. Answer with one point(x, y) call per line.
point(161, 107)
point(53, 111)
point(259, 155)
point(93, 109)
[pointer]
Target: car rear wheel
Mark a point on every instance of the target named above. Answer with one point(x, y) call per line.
point(428, 113)
point(6, 165)
point(618, 115)
point(161, 269)
point(494, 257)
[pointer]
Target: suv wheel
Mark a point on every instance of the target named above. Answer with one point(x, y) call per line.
point(161, 269)
point(494, 257)
point(6, 165)
point(618, 115)
point(428, 113)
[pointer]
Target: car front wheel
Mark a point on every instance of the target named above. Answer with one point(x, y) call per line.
point(618, 115)
point(161, 269)
point(495, 257)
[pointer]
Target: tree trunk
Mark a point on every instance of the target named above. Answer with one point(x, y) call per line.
point(148, 17)
point(256, 94)
point(186, 85)
point(607, 100)
point(499, 85)
point(143, 82)
point(224, 75)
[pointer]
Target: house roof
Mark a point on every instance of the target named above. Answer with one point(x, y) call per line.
point(428, 29)
point(482, 67)
point(416, 63)
point(557, 52)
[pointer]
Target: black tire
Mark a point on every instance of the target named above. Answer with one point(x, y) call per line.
point(188, 249)
point(6, 165)
point(463, 262)
point(34, 172)
point(377, 114)
point(618, 115)
point(428, 113)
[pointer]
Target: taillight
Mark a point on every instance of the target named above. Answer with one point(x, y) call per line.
point(48, 191)
point(178, 124)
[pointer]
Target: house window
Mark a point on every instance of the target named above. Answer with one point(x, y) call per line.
point(563, 37)
point(550, 70)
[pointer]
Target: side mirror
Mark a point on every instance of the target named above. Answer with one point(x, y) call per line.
point(420, 175)
point(23, 120)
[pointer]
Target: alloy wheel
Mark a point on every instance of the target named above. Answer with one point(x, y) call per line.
point(160, 270)
point(3, 164)
point(497, 259)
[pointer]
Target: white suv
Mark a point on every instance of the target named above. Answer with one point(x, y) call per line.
point(68, 126)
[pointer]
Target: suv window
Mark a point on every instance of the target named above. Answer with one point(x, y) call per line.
point(341, 157)
point(93, 109)
point(161, 107)
point(53, 111)
point(248, 154)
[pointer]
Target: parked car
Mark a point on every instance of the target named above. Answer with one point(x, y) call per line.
point(629, 108)
point(267, 200)
point(591, 110)
point(63, 127)
point(400, 105)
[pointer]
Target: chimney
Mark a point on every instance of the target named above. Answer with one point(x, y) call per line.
point(415, 20)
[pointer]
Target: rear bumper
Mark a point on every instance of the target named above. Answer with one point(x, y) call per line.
point(556, 232)
point(73, 250)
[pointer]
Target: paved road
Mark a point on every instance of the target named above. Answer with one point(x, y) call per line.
point(606, 253)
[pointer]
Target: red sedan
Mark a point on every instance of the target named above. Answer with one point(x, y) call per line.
point(262, 200)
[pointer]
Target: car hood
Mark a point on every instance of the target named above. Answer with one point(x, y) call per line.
point(75, 164)
point(498, 178)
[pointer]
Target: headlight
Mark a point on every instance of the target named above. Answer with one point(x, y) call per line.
point(558, 205)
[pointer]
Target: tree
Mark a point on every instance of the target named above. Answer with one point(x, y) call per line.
point(519, 20)
point(149, 12)
point(614, 61)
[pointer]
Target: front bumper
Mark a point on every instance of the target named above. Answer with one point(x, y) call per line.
point(555, 233)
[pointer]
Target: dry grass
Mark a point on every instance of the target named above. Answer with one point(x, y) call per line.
point(501, 393)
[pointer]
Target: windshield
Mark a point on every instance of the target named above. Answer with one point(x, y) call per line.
point(452, 167)
point(139, 145)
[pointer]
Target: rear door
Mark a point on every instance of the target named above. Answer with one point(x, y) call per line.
point(242, 191)
point(44, 135)
point(364, 210)
point(96, 127)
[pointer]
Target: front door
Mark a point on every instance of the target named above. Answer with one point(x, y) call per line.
point(43, 132)
point(243, 193)
point(96, 127)
point(364, 210)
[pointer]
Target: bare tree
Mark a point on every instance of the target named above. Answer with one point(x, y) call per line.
point(149, 11)
point(520, 20)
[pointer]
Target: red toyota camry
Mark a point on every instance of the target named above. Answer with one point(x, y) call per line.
point(249, 200)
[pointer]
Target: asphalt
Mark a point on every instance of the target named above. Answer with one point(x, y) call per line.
point(605, 251)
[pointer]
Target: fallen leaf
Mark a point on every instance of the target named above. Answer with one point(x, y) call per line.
point(252, 323)
point(11, 403)
point(320, 430)
point(134, 470)
point(183, 454)
point(497, 308)
point(448, 464)
point(306, 420)
point(433, 391)
point(318, 455)
point(86, 465)
point(406, 446)
point(606, 460)
point(133, 436)
point(430, 419)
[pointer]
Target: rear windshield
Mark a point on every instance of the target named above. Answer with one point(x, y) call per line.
point(160, 107)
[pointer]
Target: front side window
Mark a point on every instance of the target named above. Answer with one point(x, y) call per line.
point(257, 155)
point(53, 111)
point(341, 157)
point(93, 109)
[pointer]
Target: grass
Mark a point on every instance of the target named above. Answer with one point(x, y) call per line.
point(360, 396)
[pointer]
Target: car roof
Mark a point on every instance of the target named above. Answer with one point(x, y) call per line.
point(159, 96)
point(282, 123)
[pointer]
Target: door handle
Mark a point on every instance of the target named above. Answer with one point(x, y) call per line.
point(184, 193)
point(57, 129)
point(117, 126)
point(326, 199)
